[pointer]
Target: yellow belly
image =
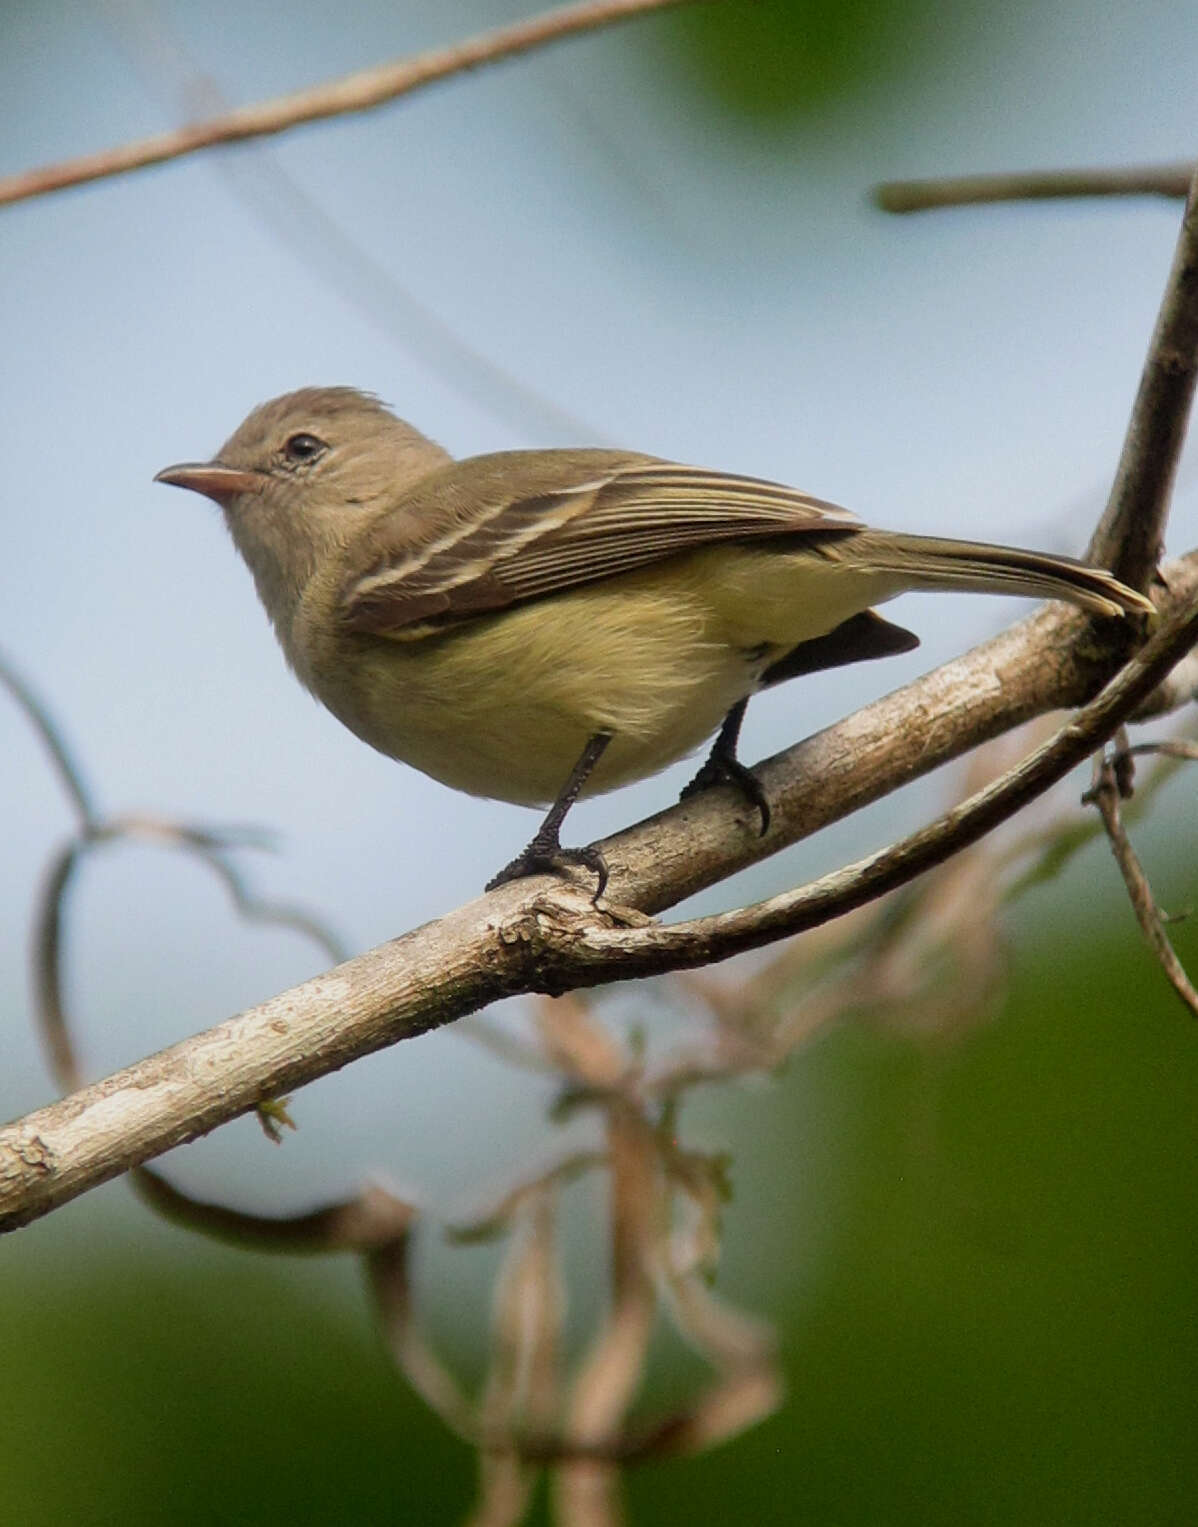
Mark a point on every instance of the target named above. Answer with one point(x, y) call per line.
point(502, 706)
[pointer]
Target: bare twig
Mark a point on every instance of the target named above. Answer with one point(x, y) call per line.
point(1043, 855)
point(352, 93)
point(92, 832)
point(579, 1047)
point(497, 1219)
point(1180, 688)
point(49, 998)
point(374, 1217)
point(1106, 794)
point(586, 1490)
point(389, 1273)
point(522, 1390)
point(748, 1395)
point(1032, 185)
point(926, 960)
point(1174, 747)
point(70, 775)
point(505, 1490)
point(1130, 535)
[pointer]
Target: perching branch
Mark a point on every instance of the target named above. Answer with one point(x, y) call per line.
point(340, 97)
point(1130, 536)
point(540, 936)
point(1032, 185)
point(703, 940)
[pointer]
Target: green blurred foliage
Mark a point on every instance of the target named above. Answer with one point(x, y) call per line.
point(771, 61)
point(219, 1389)
point(1000, 1326)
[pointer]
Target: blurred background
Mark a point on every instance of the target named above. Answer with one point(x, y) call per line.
point(978, 1247)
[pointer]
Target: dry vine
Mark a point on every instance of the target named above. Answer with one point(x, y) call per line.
point(335, 98)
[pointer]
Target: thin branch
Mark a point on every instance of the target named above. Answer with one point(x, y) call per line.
point(1170, 180)
point(587, 1491)
point(498, 1219)
point(1180, 688)
point(373, 1218)
point(340, 97)
point(213, 847)
point(389, 1275)
point(1106, 795)
point(1044, 854)
point(1130, 536)
point(1175, 747)
point(70, 775)
point(49, 1000)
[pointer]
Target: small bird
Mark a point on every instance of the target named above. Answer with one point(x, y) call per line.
point(532, 626)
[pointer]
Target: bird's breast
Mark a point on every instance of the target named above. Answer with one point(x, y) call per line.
point(502, 706)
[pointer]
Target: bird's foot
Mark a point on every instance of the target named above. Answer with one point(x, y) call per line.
point(720, 769)
point(548, 857)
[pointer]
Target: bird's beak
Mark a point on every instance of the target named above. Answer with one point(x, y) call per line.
point(212, 478)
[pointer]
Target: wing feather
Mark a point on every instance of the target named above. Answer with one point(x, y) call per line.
point(462, 543)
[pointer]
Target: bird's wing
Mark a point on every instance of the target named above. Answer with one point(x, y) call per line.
point(465, 543)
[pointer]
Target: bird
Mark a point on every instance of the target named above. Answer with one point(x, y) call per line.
point(532, 626)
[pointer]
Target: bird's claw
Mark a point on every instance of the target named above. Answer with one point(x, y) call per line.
point(553, 859)
point(730, 771)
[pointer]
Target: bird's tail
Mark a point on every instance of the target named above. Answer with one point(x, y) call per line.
point(933, 562)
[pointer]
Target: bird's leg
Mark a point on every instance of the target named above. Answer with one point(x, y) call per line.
point(724, 768)
point(545, 853)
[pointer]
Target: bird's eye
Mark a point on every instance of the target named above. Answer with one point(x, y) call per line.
point(304, 447)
